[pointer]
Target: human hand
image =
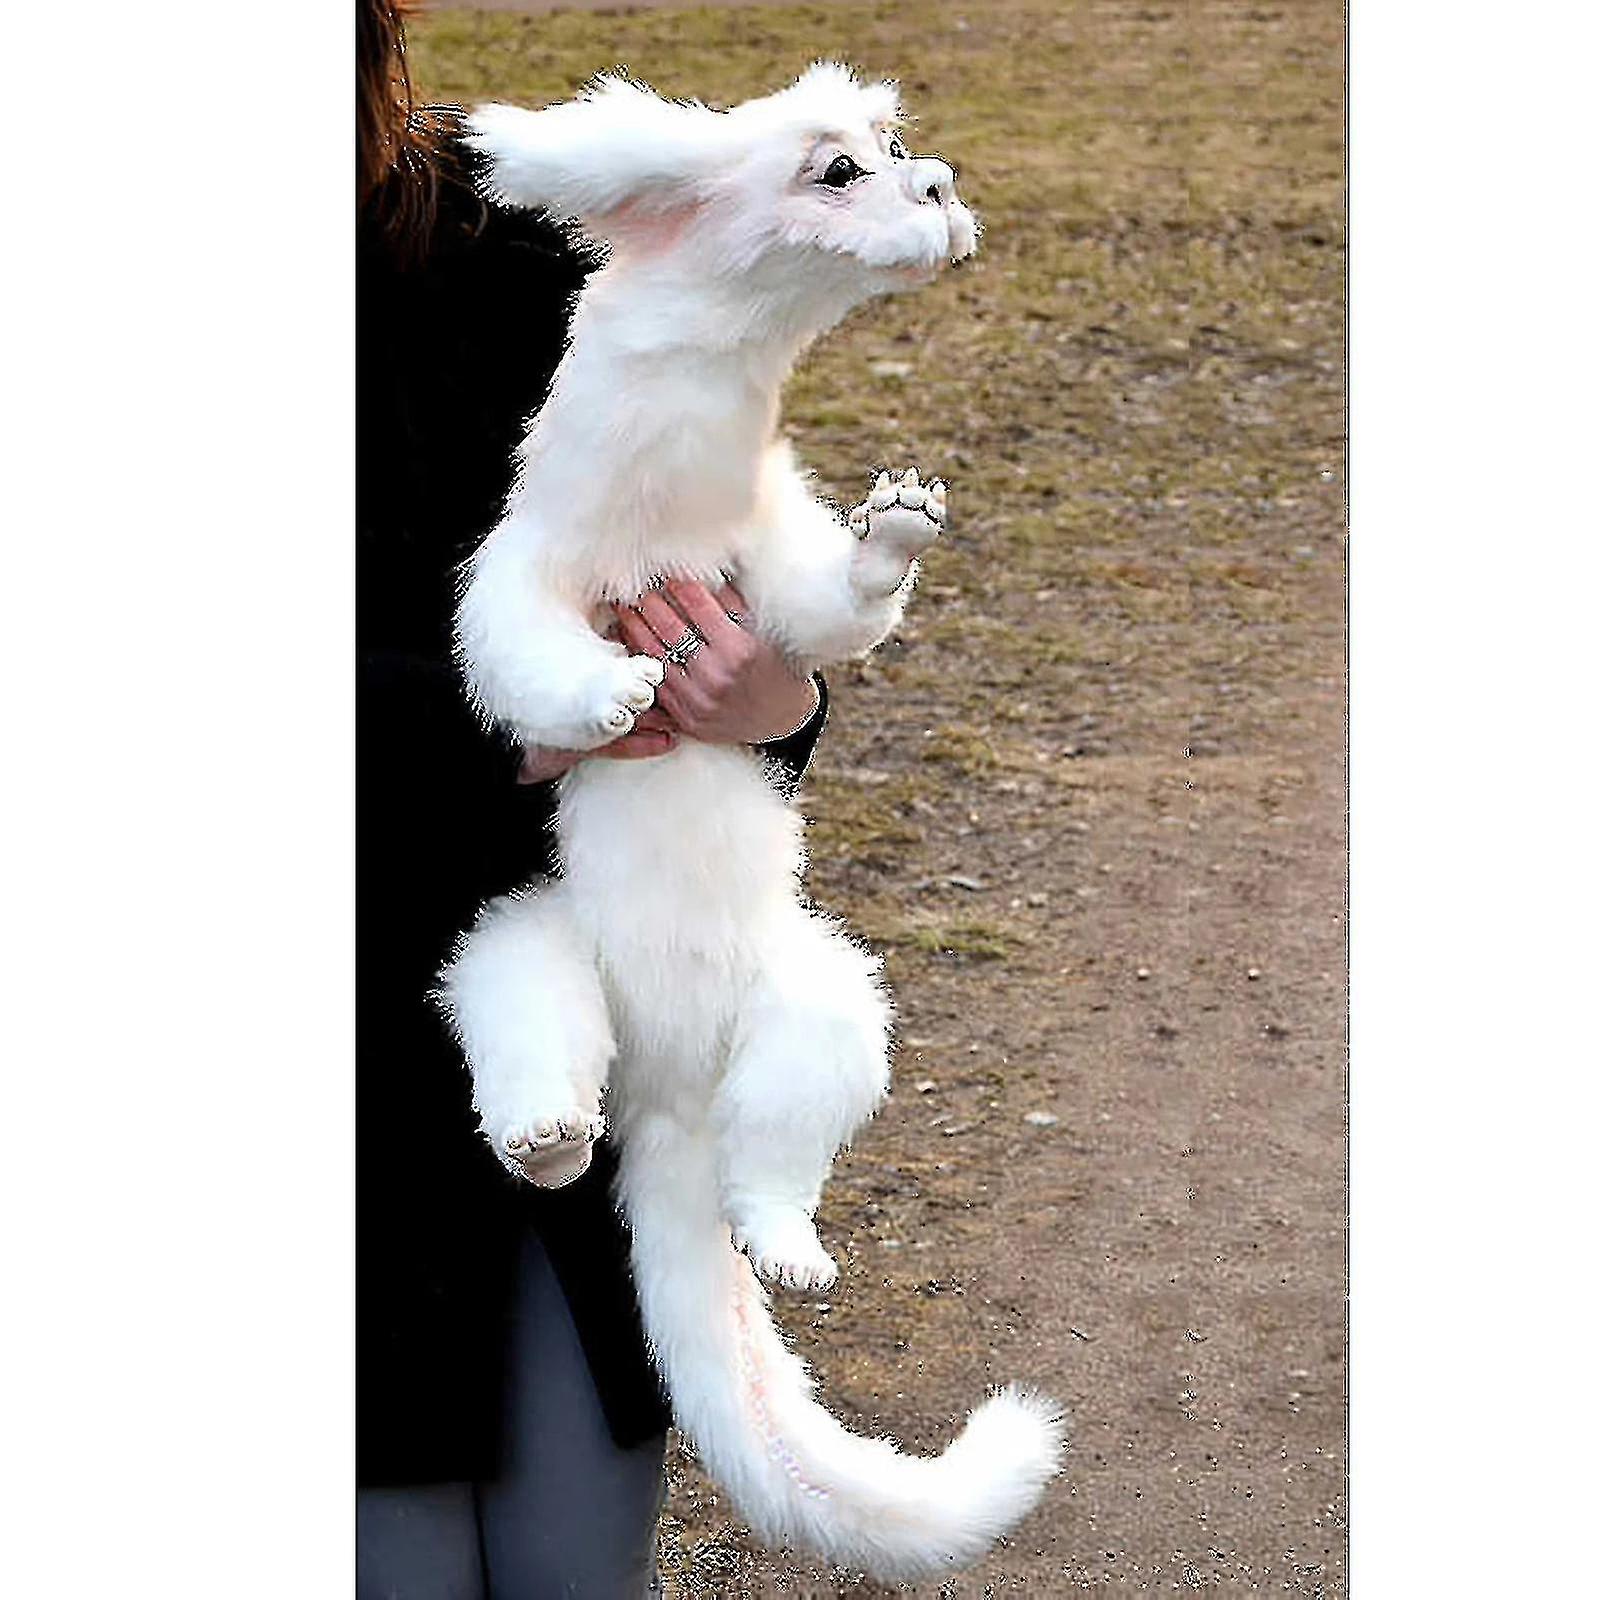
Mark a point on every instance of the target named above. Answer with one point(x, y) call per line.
point(736, 688)
point(652, 735)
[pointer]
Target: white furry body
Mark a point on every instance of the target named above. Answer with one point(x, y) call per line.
point(740, 1036)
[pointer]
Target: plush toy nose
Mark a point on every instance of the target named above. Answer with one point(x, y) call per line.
point(933, 180)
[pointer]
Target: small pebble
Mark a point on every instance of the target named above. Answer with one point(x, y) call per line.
point(925, 1086)
point(1041, 1119)
point(1252, 973)
point(1142, 972)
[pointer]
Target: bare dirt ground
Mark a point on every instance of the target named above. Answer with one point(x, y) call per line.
point(1090, 804)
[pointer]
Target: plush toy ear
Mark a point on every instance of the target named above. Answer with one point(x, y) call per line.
point(833, 93)
point(618, 150)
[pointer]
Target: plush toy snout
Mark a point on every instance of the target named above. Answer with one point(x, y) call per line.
point(933, 180)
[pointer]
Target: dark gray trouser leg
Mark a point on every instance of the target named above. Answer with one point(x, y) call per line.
point(418, 1543)
point(572, 1517)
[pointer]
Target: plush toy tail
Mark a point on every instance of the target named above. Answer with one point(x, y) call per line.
point(744, 1400)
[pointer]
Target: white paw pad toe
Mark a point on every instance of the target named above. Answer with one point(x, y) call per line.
point(884, 513)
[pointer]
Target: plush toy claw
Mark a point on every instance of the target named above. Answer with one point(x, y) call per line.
point(897, 521)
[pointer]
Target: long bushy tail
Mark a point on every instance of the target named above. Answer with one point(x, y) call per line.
point(745, 1401)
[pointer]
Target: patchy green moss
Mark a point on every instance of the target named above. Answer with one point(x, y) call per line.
point(970, 939)
point(854, 816)
point(964, 747)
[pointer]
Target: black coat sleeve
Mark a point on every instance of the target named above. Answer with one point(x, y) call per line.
point(791, 755)
point(441, 826)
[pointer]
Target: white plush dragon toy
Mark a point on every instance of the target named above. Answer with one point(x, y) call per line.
point(740, 1038)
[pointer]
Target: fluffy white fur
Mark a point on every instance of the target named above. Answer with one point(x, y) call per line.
point(740, 1037)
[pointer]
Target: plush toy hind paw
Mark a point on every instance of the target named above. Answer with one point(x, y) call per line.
point(783, 1247)
point(550, 1152)
point(897, 521)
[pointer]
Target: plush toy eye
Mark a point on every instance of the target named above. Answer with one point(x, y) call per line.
point(841, 171)
point(896, 149)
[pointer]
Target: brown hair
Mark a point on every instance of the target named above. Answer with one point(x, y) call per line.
point(397, 141)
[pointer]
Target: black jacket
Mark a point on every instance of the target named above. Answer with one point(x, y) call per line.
point(454, 353)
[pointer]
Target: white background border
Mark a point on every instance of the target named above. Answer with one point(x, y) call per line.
point(1473, 527)
point(176, 1142)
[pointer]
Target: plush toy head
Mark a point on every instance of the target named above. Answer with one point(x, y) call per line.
point(812, 182)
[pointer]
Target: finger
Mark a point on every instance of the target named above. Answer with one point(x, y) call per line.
point(655, 720)
point(697, 603)
point(638, 746)
point(636, 634)
point(688, 700)
point(671, 627)
point(671, 698)
point(661, 619)
point(730, 599)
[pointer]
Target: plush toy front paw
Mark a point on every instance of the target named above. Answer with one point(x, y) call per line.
point(897, 521)
point(625, 687)
point(550, 1151)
